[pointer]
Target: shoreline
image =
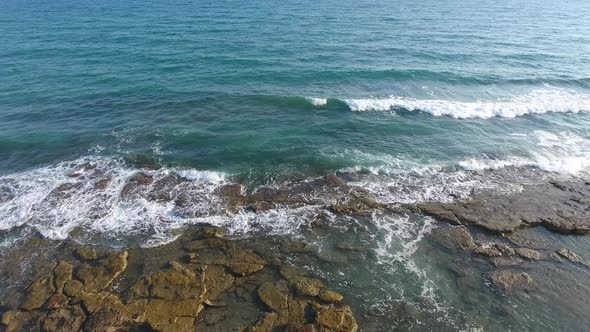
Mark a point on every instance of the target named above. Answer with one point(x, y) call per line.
point(498, 233)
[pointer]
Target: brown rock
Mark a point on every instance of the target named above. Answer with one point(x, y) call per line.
point(172, 315)
point(62, 274)
point(572, 256)
point(98, 277)
point(242, 269)
point(216, 281)
point(39, 292)
point(16, 321)
point(330, 296)
point(171, 285)
point(336, 319)
point(102, 184)
point(509, 281)
point(117, 317)
point(453, 238)
point(529, 253)
point(266, 323)
point(272, 297)
point(87, 253)
point(308, 286)
point(64, 319)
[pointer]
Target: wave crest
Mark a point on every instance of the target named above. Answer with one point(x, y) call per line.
point(538, 101)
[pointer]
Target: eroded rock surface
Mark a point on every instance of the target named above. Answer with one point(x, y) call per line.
point(190, 294)
point(560, 206)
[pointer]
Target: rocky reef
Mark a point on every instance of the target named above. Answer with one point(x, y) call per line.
point(95, 291)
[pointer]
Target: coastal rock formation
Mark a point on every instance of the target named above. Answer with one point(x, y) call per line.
point(184, 295)
point(559, 206)
point(509, 281)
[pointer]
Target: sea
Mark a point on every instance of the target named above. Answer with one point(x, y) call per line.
point(412, 101)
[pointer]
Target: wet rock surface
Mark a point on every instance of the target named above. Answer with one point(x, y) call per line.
point(200, 291)
point(559, 206)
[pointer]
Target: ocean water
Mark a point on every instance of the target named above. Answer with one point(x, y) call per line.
point(411, 100)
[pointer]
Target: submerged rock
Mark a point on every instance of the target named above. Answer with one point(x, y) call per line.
point(572, 256)
point(488, 250)
point(510, 281)
point(453, 238)
point(529, 253)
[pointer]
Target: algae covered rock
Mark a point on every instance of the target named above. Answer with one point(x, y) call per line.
point(336, 319)
point(330, 296)
point(65, 319)
point(99, 276)
point(272, 296)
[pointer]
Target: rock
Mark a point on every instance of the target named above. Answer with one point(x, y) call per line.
point(243, 262)
point(73, 288)
point(205, 244)
point(39, 292)
point(102, 184)
point(209, 232)
point(489, 251)
point(172, 316)
point(243, 269)
point(308, 286)
point(350, 247)
point(171, 285)
point(216, 281)
point(16, 321)
point(293, 246)
point(509, 281)
point(56, 301)
point(334, 181)
point(504, 249)
point(118, 317)
point(297, 312)
point(336, 319)
point(65, 319)
point(355, 204)
point(501, 261)
point(439, 211)
point(529, 253)
point(98, 277)
point(266, 323)
point(572, 256)
point(214, 317)
point(142, 178)
point(551, 205)
point(62, 274)
point(330, 296)
point(87, 253)
point(272, 297)
point(453, 238)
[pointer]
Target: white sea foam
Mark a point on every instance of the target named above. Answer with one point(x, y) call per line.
point(317, 101)
point(56, 199)
point(395, 179)
point(562, 153)
point(535, 102)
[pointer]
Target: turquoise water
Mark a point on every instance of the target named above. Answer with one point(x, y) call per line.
point(221, 85)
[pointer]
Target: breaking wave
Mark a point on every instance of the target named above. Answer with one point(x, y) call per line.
point(538, 101)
